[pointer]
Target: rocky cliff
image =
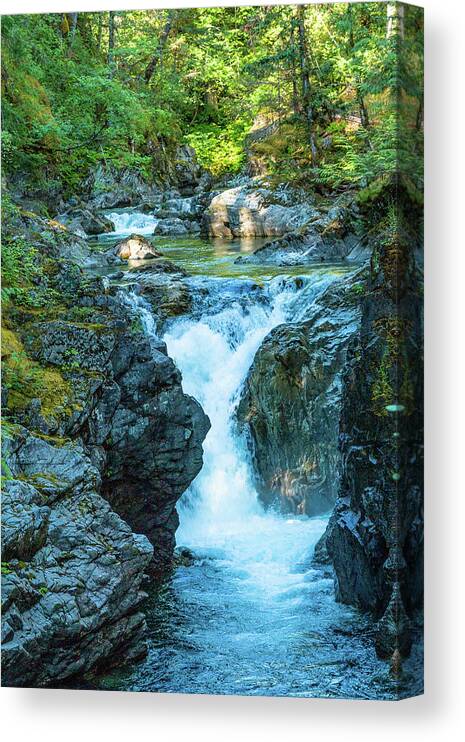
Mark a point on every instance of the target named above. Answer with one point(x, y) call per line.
point(375, 535)
point(291, 401)
point(101, 442)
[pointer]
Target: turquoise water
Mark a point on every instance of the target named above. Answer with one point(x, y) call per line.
point(251, 614)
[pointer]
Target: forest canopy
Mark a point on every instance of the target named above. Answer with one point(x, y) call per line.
point(126, 87)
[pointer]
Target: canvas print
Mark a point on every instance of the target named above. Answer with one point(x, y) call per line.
point(212, 350)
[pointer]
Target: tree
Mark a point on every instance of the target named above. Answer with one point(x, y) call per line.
point(157, 58)
point(395, 20)
point(305, 78)
point(111, 41)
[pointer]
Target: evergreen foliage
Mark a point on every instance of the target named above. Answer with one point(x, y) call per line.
point(118, 87)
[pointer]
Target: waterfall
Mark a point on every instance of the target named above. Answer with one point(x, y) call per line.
point(127, 222)
point(221, 514)
point(250, 614)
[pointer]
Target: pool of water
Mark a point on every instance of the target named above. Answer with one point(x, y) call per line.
point(217, 257)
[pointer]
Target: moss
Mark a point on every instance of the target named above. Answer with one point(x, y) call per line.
point(407, 391)
point(94, 326)
point(56, 440)
point(382, 392)
point(26, 380)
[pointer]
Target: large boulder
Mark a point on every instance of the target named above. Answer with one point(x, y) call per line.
point(153, 435)
point(143, 432)
point(291, 400)
point(85, 222)
point(328, 236)
point(173, 227)
point(252, 212)
point(72, 569)
point(136, 247)
point(110, 188)
point(167, 294)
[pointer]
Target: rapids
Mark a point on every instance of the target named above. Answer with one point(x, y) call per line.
point(251, 615)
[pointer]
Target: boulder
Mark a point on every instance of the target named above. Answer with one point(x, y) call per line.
point(155, 267)
point(301, 248)
point(174, 227)
point(153, 436)
point(167, 294)
point(135, 247)
point(83, 222)
point(182, 208)
point(252, 212)
point(291, 400)
point(111, 188)
point(72, 572)
point(142, 432)
point(328, 236)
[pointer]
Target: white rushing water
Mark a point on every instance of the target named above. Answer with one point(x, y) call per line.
point(127, 222)
point(221, 513)
point(250, 615)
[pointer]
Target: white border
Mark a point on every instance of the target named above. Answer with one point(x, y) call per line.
point(82, 716)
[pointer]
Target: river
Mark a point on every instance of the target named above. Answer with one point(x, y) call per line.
point(250, 615)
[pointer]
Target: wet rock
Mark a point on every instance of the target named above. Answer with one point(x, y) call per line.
point(167, 294)
point(375, 536)
point(184, 557)
point(83, 222)
point(130, 402)
point(153, 445)
point(71, 585)
point(56, 466)
point(120, 437)
point(300, 248)
point(24, 521)
point(165, 266)
point(110, 188)
point(250, 212)
point(327, 236)
point(291, 400)
point(174, 227)
point(136, 247)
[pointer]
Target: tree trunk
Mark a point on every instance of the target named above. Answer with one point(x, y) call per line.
point(157, 58)
point(111, 41)
point(99, 30)
point(395, 20)
point(365, 121)
point(295, 91)
point(305, 80)
point(73, 24)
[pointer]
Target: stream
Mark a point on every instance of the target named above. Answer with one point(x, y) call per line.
point(250, 615)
